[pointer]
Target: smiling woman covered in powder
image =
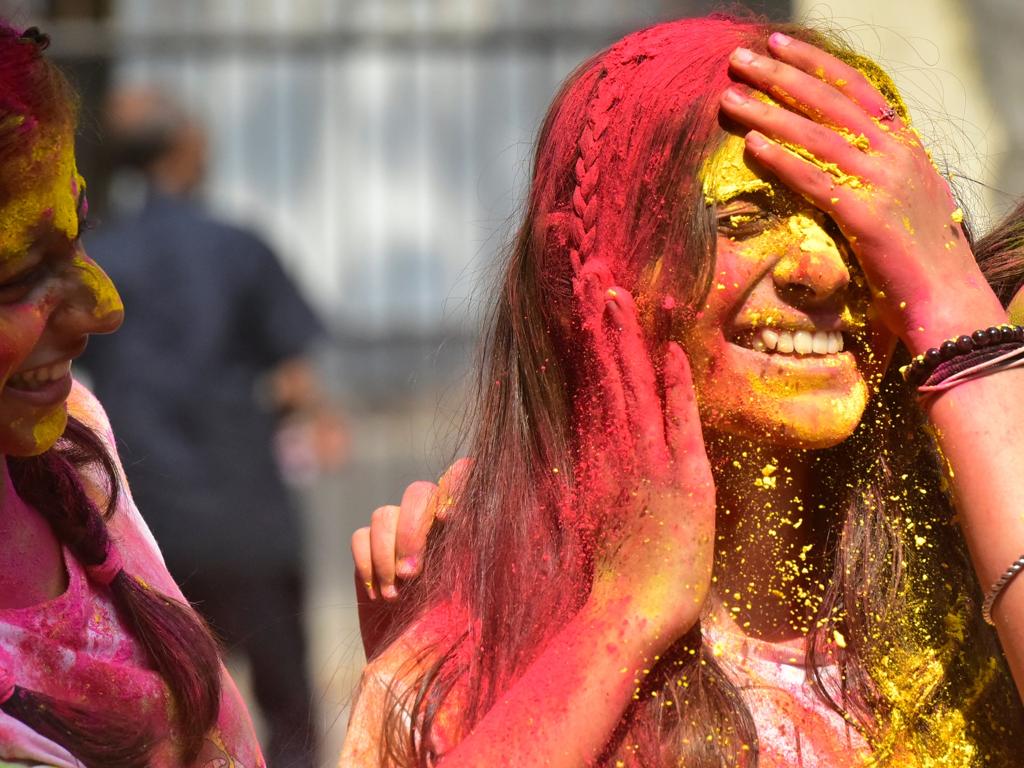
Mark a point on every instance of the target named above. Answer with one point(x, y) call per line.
point(102, 663)
point(707, 523)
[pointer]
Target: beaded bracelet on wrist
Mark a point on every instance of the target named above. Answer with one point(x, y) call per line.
point(918, 370)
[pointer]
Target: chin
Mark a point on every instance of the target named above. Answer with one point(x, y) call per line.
point(25, 439)
point(810, 420)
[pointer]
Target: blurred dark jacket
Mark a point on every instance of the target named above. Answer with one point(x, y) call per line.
point(209, 311)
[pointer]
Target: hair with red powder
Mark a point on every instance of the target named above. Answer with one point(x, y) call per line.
point(34, 96)
point(617, 190)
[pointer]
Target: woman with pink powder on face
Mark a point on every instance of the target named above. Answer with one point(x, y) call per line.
point(744, 554)
point(102, 662)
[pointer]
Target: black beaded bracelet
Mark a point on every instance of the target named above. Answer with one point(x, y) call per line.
point(917, 371)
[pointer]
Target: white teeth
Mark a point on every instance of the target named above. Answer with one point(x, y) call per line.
point(39, 377)
point(800, 342)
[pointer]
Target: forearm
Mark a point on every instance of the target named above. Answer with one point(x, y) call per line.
point(980, 429)
point(561, 712)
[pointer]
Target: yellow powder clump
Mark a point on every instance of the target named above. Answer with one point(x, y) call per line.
point(833, 170)
point(726, 176)
point(860, 141)
point(812, 236)
point(49, 428)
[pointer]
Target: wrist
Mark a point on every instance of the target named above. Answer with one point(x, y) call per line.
point(942, 318)
point(640, 630)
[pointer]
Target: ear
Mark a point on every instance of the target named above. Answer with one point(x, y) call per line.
point(1015, 309)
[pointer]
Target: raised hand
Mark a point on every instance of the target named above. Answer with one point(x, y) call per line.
point(644, 481)
point(390, 549)
point(844, 147)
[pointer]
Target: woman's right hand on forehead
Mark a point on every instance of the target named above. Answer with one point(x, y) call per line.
point(846, 149)
point(644, 482)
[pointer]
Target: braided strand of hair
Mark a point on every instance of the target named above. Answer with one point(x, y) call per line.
point(588, 173)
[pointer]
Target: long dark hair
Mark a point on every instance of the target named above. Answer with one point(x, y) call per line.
point(35, 96)
point(616, 178)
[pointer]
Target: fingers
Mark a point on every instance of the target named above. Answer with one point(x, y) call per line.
point(392, 546)
point(639, 385)
point(682, 419)
point(819, 144)
point(821, 188)
point(415, 518)
point(591, 290)
point(364, 564)
point(802, 92)
point(450, 486)
point(383, 532)
point(848, 80)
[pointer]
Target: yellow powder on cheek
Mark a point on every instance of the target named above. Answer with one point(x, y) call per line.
point(107, 299)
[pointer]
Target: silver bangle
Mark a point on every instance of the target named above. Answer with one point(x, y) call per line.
point(998, 587)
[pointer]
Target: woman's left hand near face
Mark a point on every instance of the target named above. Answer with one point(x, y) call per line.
point(841, 145)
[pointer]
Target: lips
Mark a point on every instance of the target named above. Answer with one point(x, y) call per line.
point(44, 386)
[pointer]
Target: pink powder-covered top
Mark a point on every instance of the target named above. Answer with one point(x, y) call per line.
point(76, 647)
point(795, 727)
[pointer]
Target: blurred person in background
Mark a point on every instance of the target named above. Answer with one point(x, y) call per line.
point(214, 358)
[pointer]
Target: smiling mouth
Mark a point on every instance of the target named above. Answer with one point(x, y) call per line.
point(36, 379)
point(796, 343)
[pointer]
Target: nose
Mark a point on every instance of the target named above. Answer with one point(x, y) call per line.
point(812, 269)
point(91, 303)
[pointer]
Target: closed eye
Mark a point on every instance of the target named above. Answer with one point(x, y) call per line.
point(742, 222)
point(17, 287)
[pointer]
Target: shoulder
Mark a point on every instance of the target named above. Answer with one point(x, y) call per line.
point(387, 682)
point(127, 527)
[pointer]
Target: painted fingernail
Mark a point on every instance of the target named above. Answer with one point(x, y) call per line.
point(733, 96)
point(388, 592)
point(743, 55)
point(611, 293)
point(370, 593)
point(407, 566)
point(756, 141)
point(780, 39)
